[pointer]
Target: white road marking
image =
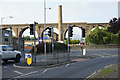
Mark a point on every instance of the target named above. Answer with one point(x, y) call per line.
point(17, 72)
point(106, 54)
point(44, 71)
point(99, 55)
point(67, 65)
point(26, 74)
point(31, 75)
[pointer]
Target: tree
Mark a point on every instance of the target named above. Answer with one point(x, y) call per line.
point(105, 40)
point(27, 38)
point(102, 36)
point(32, 38)
point(78, 41)
point(115, 25)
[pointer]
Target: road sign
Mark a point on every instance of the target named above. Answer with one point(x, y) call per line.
point(45, 37)
point(28, 57)
point(40, 40)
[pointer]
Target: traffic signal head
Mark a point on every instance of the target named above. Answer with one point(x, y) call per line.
point(49, 32)
point(83, 32)
point(31, 29)
point(70, 31)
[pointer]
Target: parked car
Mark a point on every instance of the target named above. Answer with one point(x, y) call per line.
point(8, 53)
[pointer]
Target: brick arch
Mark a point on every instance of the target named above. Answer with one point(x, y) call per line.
point(43, 31)
point(22, 31)
point(65, 31)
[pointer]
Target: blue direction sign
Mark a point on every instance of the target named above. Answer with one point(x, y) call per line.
point(40, 40)
point(45, 37)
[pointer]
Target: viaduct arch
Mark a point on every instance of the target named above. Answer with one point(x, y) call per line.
point(20, 28)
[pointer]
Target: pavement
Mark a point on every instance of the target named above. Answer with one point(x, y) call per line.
point(52, 61)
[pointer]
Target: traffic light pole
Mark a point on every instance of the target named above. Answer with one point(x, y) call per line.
point(68, 41)
point(45, 32)
point(34, 42)
point(11, 36)
point(52, 43)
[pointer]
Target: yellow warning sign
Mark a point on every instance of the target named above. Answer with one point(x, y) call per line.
point(29, 59)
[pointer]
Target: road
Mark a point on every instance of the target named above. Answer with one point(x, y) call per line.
point(80, 69)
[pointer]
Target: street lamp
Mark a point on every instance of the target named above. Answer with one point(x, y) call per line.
point(1, 25)
point(45, 28)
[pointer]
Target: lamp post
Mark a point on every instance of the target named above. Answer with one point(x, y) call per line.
point(1, 25)
point(44, 29)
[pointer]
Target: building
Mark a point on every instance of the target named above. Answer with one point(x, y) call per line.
point(5, 39)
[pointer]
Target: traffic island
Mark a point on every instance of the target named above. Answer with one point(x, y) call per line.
point(44, 64)
point(53, 62)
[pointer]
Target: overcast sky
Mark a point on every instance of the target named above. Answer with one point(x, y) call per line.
point(28, 11)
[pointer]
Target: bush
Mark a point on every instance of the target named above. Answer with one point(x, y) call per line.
point(72, 41)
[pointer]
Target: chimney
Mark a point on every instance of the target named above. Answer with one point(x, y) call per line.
point(60, 26)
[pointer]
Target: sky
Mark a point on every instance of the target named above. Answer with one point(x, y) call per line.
point(28, 11)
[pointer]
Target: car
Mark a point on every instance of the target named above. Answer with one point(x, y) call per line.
point(8, 53)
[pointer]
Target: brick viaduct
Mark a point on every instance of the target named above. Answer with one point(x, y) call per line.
point(62, 27)
point(20, 28)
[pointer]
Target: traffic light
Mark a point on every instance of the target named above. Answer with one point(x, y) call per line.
point(49, 32)
point(70, 31)
point(31, 29)
point(83, 32)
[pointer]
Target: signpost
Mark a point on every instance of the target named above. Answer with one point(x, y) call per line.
point(28, 57)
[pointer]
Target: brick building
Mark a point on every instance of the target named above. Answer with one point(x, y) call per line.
point(5, 39)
